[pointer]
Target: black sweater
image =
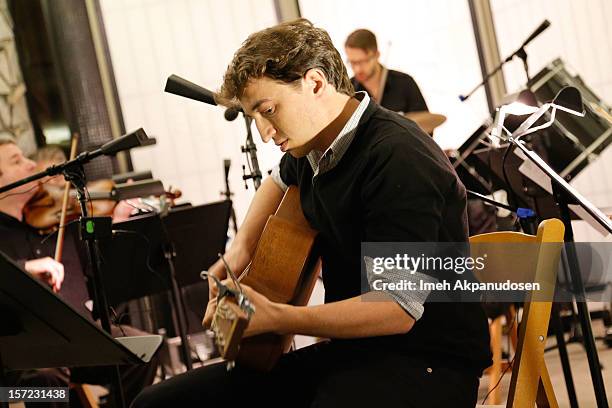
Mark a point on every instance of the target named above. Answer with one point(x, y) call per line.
point(393, 184)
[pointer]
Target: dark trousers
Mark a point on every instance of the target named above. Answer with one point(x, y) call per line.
point(333, 374)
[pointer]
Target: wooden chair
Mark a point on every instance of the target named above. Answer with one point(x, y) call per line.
point(530, 383)
point(86, 395)
point(499, 366)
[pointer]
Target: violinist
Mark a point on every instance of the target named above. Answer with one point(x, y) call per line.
point(13, 167)
point(25, 245)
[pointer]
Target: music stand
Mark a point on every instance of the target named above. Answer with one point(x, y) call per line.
point(40, 330)
point(153, 254)
point(197, 233)
point(569, 100)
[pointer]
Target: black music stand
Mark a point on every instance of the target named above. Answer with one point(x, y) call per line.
point(198, 234)
point(567, 100)
point(566, 195)
point(150, 254)
point(40, 330)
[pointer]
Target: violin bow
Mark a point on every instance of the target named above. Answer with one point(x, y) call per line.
point(59, 247)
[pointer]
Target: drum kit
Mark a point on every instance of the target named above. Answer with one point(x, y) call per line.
point(569, 145)
point(426, 120)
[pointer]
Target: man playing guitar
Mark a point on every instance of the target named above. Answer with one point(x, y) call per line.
point(364, 174)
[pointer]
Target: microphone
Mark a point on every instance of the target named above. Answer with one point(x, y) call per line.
point(136, 138)
point(182, 87)
point(226, 167)
point(545, 24)
point(231, 113)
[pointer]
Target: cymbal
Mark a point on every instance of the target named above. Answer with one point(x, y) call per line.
point(426, 120)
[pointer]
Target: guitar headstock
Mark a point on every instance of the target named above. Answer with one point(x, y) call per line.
point(232, 315)
point(229, 323)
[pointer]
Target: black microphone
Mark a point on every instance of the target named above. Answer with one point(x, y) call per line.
point(231, 113)
point(136, 138)
point(226, 166)
point(182, 87)
point(545, 24)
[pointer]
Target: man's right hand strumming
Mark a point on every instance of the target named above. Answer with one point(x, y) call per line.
point(265, 203)
point(238, 261)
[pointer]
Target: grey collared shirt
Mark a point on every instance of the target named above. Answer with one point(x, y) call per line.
point(321, 162)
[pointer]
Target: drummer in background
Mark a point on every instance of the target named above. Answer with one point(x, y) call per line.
point(393, 90)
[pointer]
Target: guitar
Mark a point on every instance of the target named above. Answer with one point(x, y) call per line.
point(284, 268)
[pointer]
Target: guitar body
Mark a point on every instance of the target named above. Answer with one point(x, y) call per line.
point(284, 269)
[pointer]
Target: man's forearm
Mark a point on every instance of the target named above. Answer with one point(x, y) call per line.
point(266, 201)
point(349, 318)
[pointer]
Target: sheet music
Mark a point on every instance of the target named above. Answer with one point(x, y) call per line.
point(594, 212)
point(533, 172)
point(584, 215)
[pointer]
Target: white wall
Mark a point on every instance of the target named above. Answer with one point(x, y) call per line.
point(433, 41)
point(580, 34)
point(195, 39)
point(14, 116)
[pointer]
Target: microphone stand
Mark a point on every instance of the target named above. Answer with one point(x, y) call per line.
point(176, 296)
point(564, 194)
point(520, 53)
point(251, 151)
point(228, 194)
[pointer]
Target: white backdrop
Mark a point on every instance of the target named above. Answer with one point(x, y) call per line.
point(195, 39)
point(433, 41)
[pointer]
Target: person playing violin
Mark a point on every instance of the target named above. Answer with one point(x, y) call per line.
point(15, 166)
point(51, 155)
point(28, 248)
point(364, 174)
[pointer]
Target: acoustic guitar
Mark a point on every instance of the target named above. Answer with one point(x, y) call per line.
point(284, 268)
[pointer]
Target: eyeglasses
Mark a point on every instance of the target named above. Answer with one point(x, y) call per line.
point(360, 62)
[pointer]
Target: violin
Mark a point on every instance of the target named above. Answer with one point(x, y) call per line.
point(55, 204)
point(44, 209)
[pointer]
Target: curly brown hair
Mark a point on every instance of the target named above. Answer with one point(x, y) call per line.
point(284, 52)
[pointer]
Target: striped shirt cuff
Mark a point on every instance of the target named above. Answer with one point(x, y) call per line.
point(411, 301)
